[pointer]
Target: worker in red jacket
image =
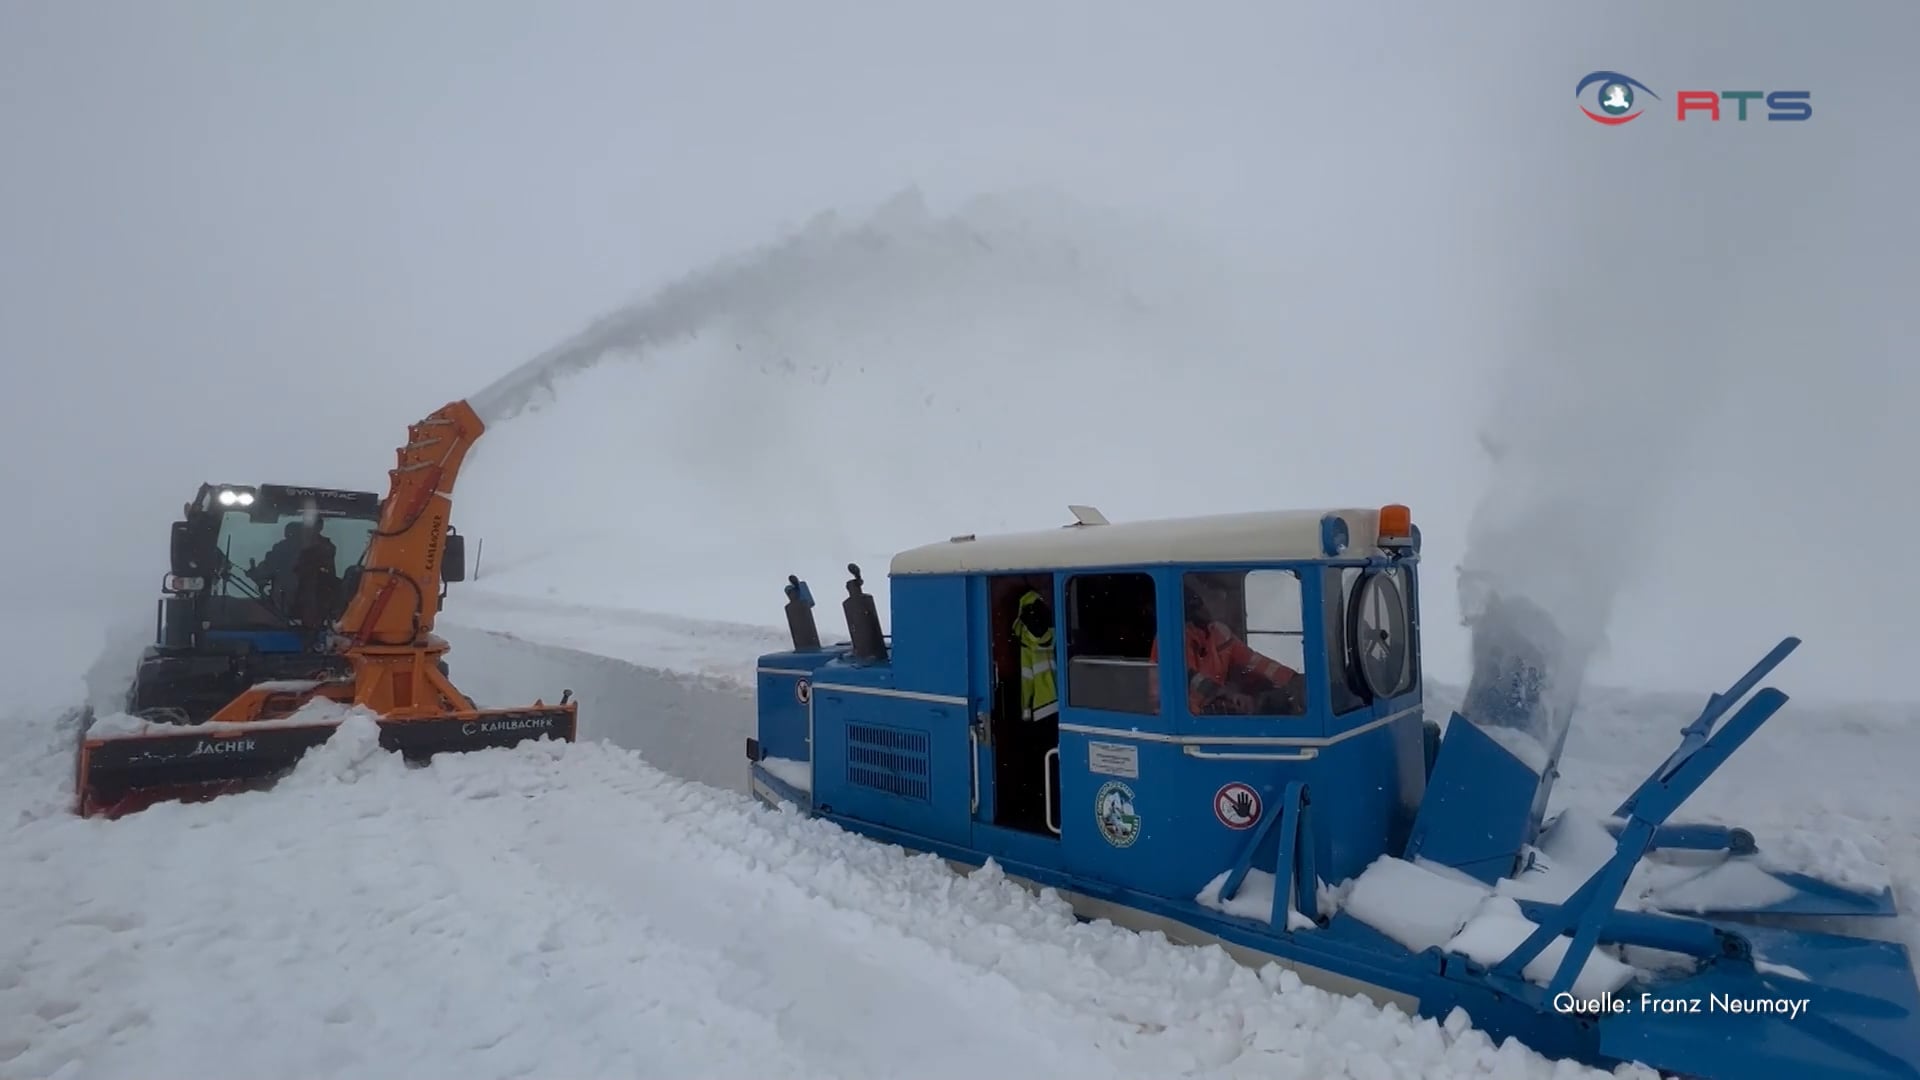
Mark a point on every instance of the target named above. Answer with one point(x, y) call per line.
point(1227, 677)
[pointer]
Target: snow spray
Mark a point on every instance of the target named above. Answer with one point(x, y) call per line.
point(1583, 429)
point(828, 254)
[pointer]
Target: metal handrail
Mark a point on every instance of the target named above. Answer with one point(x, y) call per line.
point(1046, 784)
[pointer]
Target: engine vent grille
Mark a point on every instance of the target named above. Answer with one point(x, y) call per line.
point(888, 759)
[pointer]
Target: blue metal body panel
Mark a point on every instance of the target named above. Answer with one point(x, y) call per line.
point(930, 634)
point(266, 641)
point(1156, 809)
point(784, 686)
point(1477, 816)
point(888, 758)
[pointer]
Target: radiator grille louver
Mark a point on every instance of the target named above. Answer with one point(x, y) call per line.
point(890, 760)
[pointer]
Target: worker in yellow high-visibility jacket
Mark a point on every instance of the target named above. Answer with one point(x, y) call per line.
point(1033, 629)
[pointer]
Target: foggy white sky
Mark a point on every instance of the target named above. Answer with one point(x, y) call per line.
point(251, 242)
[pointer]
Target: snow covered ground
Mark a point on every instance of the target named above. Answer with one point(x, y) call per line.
point(576, 910)
point(619, 906)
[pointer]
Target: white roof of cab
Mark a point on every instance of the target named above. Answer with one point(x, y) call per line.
point(1264, 536)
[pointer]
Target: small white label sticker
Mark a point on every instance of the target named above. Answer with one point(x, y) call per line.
point(1114, 759)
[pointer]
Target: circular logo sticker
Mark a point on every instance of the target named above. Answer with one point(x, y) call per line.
point(1113, 809)
point(1237, 806)
point(802, 691)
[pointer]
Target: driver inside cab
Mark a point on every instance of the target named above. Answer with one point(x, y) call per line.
point(1225, 676)
point(298, 574)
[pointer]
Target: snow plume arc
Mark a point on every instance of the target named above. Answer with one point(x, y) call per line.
point(869, 384)
point(826, 262)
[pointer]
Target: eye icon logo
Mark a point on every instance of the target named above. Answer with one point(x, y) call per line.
point(1615, 96)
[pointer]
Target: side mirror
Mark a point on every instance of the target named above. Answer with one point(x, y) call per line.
point(182, 561)
point(453, 561)
point(189, 549)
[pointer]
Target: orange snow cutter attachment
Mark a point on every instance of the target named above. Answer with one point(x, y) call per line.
point(387, 635)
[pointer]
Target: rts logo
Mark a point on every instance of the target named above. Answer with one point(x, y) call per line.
point(1616, 97)
point(1616, 102)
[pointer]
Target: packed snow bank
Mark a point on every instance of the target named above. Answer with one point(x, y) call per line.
point(569, 910)
point(1418, 906)
point(707, 648)
point(690, 723)
point(863, 386)
point(122, 725)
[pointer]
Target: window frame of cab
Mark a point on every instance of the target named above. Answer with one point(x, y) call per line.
point(1123, 660)
point(1237, 621)
point(1163, 618)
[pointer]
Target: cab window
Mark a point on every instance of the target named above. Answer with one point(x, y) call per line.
point(1244, 648)
point(251, 544)
point(1110, 626)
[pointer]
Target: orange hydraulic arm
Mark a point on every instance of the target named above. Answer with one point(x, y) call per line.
point(387, 628)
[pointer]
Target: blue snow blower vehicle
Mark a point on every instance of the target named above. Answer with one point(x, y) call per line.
point(1214, 727)
point(240, 605)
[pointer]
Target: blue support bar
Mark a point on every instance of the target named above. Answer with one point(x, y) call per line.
point(1295, 871)
point(1592, 905)
point(1293, 867)
point(1696, 734)
point(1238, 875)
point(1307, 880)
point(1284, 866)
point(1694, 836)
point(1651, 930)
point(1698, 836)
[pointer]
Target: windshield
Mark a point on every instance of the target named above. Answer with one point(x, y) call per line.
point(247, 543)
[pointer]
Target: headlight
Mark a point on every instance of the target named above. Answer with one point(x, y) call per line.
point(228, 498)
